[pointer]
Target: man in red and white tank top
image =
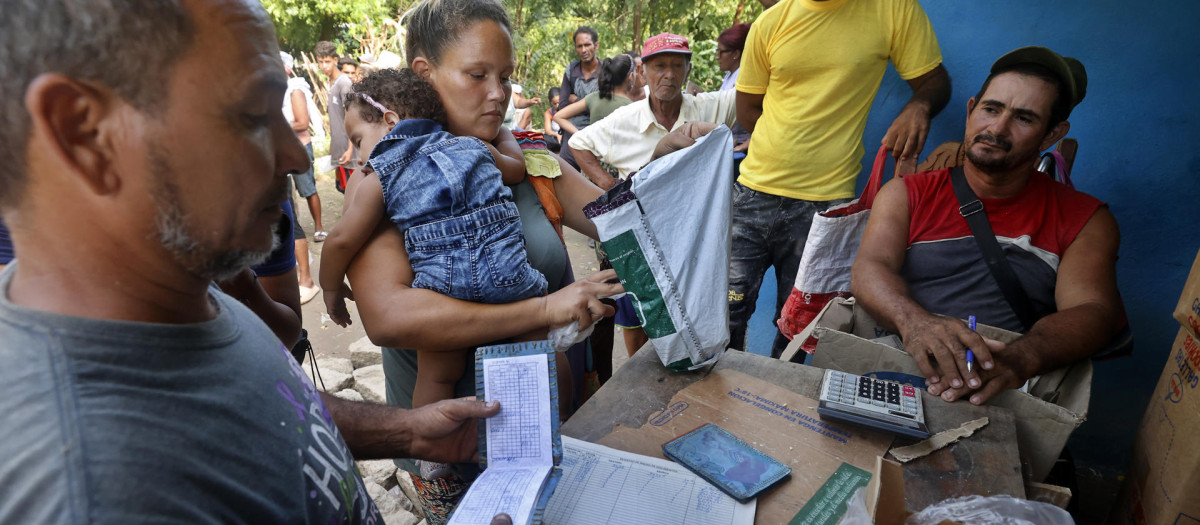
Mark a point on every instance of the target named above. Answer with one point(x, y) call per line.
point(920, 270)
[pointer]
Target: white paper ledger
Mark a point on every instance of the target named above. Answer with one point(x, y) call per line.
point(519, 443)
point(602, 485)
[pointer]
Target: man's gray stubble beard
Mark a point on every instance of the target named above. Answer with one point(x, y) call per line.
point(175, 235)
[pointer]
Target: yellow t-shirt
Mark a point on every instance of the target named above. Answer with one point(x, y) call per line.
point(819, 65)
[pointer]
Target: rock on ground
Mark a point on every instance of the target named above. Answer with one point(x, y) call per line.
point(389, 506)
point(340, 364)
point(332, 379)
point(349, 394)
point(369, 382)
point(363, 353)
point(408, 489)
point(379, 471)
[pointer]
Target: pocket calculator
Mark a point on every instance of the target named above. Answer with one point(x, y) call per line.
point(882, 405)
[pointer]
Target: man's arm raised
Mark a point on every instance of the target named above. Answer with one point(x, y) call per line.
point(876, 282)
point(1089, 313)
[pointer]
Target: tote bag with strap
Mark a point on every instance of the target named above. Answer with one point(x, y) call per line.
point(829, 252)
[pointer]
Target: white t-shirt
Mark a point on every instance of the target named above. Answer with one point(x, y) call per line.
point(626, 138)
point(513, 113)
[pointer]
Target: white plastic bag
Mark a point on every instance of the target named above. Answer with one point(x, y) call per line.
point(666, 232)
point(991, 510)
point(856, 509)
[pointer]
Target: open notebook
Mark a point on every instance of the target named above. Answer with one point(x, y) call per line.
point(520, 449)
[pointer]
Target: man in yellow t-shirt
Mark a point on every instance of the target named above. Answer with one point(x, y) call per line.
point(809, 73)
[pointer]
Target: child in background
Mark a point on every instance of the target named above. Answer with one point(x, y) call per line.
point(446, 193)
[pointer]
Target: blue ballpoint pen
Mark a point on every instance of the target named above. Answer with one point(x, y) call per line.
point(970, 354)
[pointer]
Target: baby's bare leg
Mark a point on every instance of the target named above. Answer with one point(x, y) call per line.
point(437, 372)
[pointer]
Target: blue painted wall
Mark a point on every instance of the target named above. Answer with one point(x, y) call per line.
point(1139, 152)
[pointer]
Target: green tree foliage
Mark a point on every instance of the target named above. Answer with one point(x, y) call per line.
point(300, 24)
point(543, 31)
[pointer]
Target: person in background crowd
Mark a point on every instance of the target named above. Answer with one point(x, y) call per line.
point(580, 76)
point(517, 114)
point(550, 128)
point(810, 71)
point(626, 139)
point(730, 44)
point(308, 287)
point(299, 109)
point(134, 391)
point(579, 80)
point(364, 71)
point(269, 288)
point(6, 248)
point(349, 68)
point(340, 149)
point(640, 89)
point(616, 82)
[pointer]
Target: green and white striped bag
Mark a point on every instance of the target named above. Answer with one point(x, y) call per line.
point(667, 233)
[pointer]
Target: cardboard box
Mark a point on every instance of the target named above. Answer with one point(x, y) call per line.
point(1187, 311)
point(1055, 406)
point(781, 423)
point(1163, 482)
point(885, 494)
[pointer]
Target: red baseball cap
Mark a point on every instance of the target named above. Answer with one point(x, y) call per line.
point(665, 43)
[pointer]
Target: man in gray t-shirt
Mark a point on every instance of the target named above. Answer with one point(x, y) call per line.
point(187, 423)
point(133, 391)
point(340, 150)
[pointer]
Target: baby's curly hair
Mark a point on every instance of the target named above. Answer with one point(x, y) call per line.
point(399, 90)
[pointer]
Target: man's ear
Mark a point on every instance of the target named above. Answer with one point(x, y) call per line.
point(970, 105)
point(1055, 134)
point(71, 129)
point(422, 67)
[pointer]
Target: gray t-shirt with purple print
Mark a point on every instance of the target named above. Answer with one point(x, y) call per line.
point(124, 422)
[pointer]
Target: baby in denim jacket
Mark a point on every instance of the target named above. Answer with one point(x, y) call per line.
point(461, 228)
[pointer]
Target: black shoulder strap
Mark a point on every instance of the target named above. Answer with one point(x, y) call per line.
point(971, 208)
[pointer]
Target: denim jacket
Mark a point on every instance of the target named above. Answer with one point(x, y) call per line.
point(428, 174)
point(462, 230)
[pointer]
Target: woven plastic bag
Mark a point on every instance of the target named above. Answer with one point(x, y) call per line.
point(667, 233)
point(829, 251)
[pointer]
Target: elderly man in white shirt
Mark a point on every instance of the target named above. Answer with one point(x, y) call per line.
point(626, 138)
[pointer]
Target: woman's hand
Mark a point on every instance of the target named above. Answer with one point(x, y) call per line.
point(580, 301)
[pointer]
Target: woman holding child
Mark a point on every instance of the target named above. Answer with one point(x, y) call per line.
point(463, 49)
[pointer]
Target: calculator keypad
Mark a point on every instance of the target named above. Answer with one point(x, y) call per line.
point(876, 400)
